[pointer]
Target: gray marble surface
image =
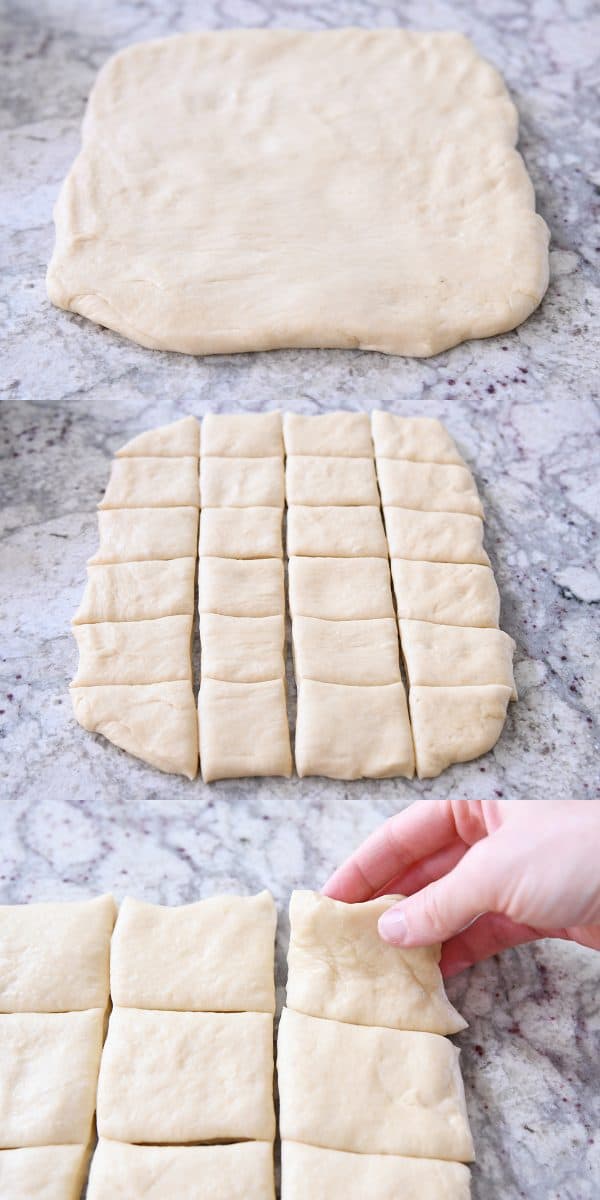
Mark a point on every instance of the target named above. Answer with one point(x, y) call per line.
point(78, 816)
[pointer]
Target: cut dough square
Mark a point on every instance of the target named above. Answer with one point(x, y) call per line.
point(241, 482)
point(137, 534)
point(339, 968)
point(243, 729)
point(138, 591)
point(430, 487)
point(242, 435)
point(134, 651)
point(242, 649)
point(402, 1091)
point(416, 439)
point(152, 483)
point(241, 532)
point(455, 724)
point(336, 532)
point(310, 479)
point(347, 732)
point(177, 440)
point(435, 536)
point(48, 1071)
point(54, 957)
point(156, 721)
point(340, 589)
point(236, 1172)
point(354, 652)
point(175, 1077)
point(342, 434)
point(235, 588)
point(446, 593)
point(43, 1173)
point(311, 1173)
point(448, 655)
point(212, 956)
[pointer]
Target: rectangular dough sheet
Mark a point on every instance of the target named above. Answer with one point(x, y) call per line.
point(352, 652)
point(416, 439)
point(435, 536)
point(236, 1172)
point(43, 1173)
point(238, 588)
point(314, 479)
point(241, 482)
point(242, 435)
point(241, 532)
point(138, 591)
point(455, 724)
point(312, 1173)
point(450, 655)
point(346, 732)
point(340, 589)
point(179, 439)
point(430, 487)
point(134, 651)
point(137, 534)
point(152, 483)
point(341, 434)
point(330, 531)
point(155, 722)
point(446, 593)
point(242, 649)
point(243, 729)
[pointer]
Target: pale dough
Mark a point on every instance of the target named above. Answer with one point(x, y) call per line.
point(455, 724)
point(344, 434)
point(54, 956)
point(236, 1172)
point(239, 588)
point(42, 1173)
point(243, 729)
point(340, 589)
point(418, 439)
point(176, 1077)
point(137, 534)
point(155, 722)
point(261, 192)
point(354, 652)
point(435, 536)
point(138, 591)
point(373, 1091)
point(241, 482)
point(336, 532)
point(177, 440)
point(314, 479)
point(446, 655)
point(346, 732)
point(447, 593)
point(48, 1071)
point(339, 968)
point(152, 483)
point(134, 651)
point(212, 956)
point(431, 487)
point(242, 649)
point(312, 1173)
point(241, 532)
point(242, 435)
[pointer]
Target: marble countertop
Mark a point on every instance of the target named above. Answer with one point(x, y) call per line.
point(78, 816)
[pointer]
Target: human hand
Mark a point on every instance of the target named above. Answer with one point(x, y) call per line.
point(481, 875)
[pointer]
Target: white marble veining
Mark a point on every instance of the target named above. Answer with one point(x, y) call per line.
point(78, 816)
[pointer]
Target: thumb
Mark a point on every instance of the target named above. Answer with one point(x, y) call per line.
point(443, 908)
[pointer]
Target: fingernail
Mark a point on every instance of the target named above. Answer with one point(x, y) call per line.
point(392, 926)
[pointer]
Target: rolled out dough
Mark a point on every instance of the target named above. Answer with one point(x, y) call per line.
point(138, 482)
point(453, 655)
point(354, 652)
point(237, 1172)
point(43, 1173)
point(319, 479)
point(415, 439)
point(134, 651)
point(241, 588)
point(449, 593)
point(177, 440)
point(455, 724)
point(311, 1173)
point(347, 732)
point(242, 435)
point(243, 729)
point(336, 531)
point(343, 434)
point(137, 591)
point(241, 532)
point(340, 589)
point(242, 649)
point(153, 721)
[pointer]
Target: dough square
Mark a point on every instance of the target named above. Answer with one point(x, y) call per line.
point(242, 435)
point(446, 593)
point(336, 531)
point(340, 589)
point(455, 724)
point(313, 479)
point(154, 721)
point(241, 532)
point(48, 1071)
point(241, 482)
point(431, 487)
point(43, 1173)
point(243, 729)
point(311, 1173)
point(138, 591)
point(242, 649)
point(177, 440)
point(417, 439)
point(137, 534)
point(342, 434)
point(339, 968)
point(345, 732)
point(403, 1092)
point(54, 957)
point(242, 1171)
point(212, 956)
point(353, 652)
point(450, 655)
point(235, 588)
point(177, 1077)
point(152, 483)
point(134, 651)
point(435, 536)
point(239, 230)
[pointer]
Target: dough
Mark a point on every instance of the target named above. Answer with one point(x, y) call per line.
point(353, 732)
point(455, 724)
point(212, 956)
point(321, 480)
point(48, 1071)
point(431, 487)
point(338, 967)
point(344, 434)
point(134, 651)
point(336, 532)
point(353, 652)
point(156, 721)
point(261, 192)
point(311, 1173)
point(236, 1172)
point(447, 593)
point(444, 655)
point(54, 957)
point(418, 439)
point(152, 483)
point(235, 588)
point(242, 435)
point(373, 1091)
point(176, 1077)
point(243, 729)
point(241, 482)
point(137, 591)
point(136, 534)
point(340, 589)
point(177, 440)
point(242, 649)
point(241, 532)
point(435, 536)
point(42, 1173)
